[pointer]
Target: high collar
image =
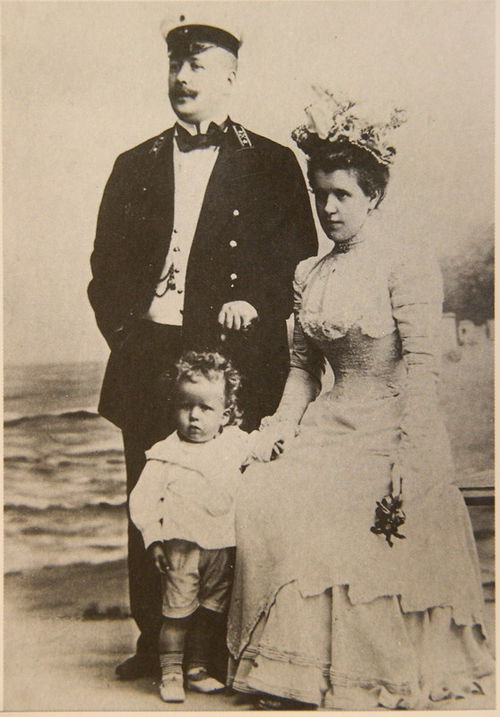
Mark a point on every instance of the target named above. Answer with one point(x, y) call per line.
point(202, 127)
point(345, 247)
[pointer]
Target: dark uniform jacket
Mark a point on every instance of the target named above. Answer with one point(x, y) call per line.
point(254, 227)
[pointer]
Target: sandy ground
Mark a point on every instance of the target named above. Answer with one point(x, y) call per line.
point(57, 661)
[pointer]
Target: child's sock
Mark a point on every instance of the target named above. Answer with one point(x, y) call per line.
point(172, 681)
point(171, 648)
point(171, 663)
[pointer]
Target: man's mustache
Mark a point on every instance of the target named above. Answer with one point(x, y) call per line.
point(180, 91)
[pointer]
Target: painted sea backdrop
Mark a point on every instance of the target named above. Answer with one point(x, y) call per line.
point(64, 487)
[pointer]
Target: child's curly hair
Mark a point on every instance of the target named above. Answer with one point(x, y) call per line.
point(212, 365)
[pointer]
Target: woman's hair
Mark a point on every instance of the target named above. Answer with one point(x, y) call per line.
point(212, 366)
point(372, 175)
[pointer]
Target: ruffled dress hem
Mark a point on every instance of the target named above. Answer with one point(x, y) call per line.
point(433, 657)
point(357, 693)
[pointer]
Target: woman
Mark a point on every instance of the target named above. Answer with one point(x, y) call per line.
point(342, 599)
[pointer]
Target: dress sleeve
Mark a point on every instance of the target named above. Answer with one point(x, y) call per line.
point(306, 367)
point(416, 292)
point(305, 356)
point(145, 502)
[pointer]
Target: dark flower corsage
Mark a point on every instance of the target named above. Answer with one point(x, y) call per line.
point(389, 516)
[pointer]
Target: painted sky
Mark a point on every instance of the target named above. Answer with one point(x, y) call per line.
point(83, 81)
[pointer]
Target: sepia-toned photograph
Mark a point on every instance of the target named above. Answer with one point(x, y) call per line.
point(248, 355)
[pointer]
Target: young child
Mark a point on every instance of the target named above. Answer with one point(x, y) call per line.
point(183, 504)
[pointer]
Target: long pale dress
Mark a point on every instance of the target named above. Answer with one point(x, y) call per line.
point(324, 611)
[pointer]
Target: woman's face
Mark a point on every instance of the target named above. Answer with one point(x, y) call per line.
point(341, 204)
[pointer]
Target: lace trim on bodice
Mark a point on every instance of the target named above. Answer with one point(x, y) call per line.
point(321, 329)
point(345, 291)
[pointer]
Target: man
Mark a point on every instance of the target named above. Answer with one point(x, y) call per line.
point(198, 235)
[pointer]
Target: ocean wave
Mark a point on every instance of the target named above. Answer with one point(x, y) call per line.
point(98, 453)
point(102, 506)
point(77, 414)
point(62, 533)
point(84, 560)
point(20, 459)
point(38, 530)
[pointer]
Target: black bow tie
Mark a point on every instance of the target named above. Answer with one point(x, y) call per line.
point(187, 142)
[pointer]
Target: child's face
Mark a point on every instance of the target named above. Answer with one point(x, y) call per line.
point(200, 409)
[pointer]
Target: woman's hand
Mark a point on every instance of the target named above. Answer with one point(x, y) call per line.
point(389, 516)
point(270, 440)
point(287, 433)
point(159, 557)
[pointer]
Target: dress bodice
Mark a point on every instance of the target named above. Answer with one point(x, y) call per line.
point(363, 365)
point(374, 314)
point(345, 290)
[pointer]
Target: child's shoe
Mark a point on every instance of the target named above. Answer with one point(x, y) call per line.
point(198, 680)
point(172, 688)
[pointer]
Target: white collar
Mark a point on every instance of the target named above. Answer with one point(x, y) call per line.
point(203, 126)
point(174, 445)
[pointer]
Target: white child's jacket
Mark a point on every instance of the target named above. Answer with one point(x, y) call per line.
point(187, 490)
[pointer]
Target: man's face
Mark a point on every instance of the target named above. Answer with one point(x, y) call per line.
point(198, 85)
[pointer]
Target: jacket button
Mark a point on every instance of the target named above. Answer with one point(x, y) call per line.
point(144, 189)
point(233, 276)
point(233, 243)
point(236, 213)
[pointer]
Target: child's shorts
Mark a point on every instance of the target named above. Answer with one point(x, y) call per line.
point(197, 576)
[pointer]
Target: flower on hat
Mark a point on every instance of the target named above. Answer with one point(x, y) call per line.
point(333, 119)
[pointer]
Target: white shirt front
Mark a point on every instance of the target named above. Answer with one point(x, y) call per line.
point(187, 490)
point(192, 172)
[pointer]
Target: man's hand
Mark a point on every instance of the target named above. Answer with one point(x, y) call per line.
point(236, 315)
point(159, 557)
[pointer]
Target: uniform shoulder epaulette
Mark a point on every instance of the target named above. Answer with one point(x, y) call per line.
point(242, 136)
point(157, 144)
